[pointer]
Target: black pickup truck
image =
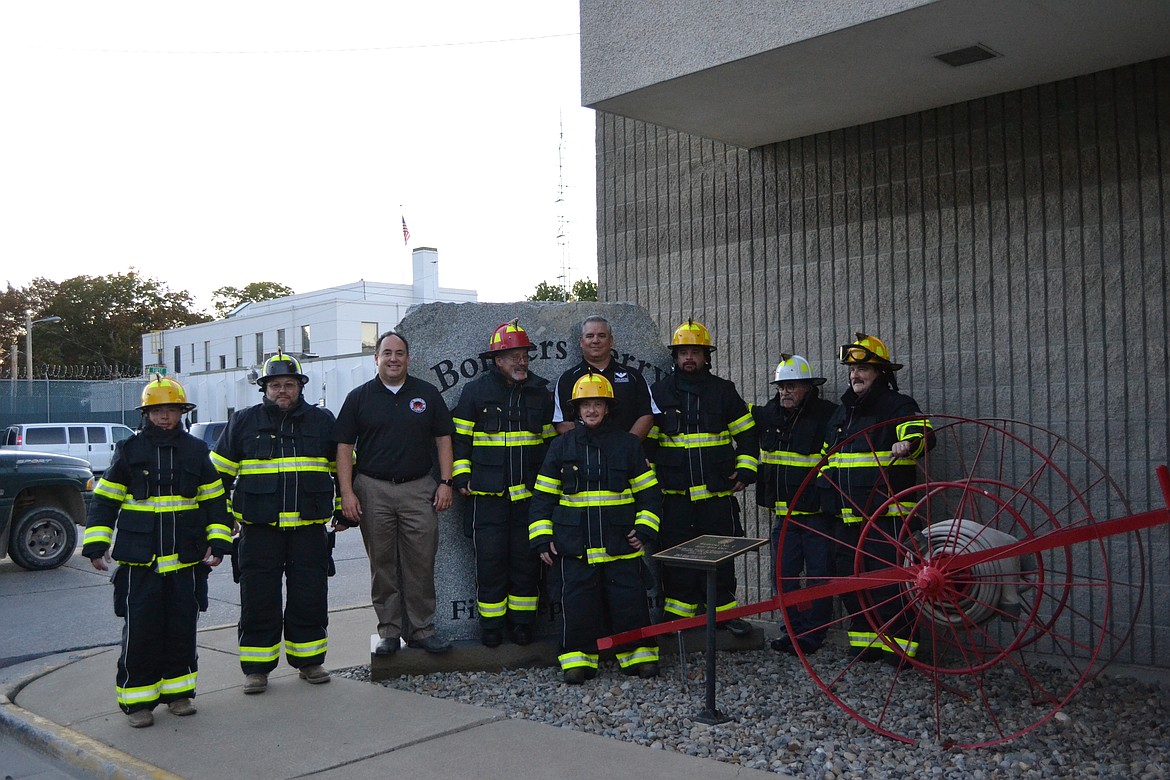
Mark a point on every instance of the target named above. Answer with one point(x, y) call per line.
point(43, 498)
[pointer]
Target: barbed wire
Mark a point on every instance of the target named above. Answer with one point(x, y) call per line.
point(93, 371)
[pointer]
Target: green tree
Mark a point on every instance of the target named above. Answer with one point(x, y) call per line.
point(583, 290)
point(102, 320)
point(227, 298)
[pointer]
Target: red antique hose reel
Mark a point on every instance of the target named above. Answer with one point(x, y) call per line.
point(1018, 587)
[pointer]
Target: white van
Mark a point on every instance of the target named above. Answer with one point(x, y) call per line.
point(92, 441)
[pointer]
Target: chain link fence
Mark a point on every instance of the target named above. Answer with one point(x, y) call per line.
point(69, 400)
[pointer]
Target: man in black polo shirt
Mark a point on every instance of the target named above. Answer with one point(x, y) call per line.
point(634, 411)
point(396, 422)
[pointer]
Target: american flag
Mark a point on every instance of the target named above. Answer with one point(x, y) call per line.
point(405, 232)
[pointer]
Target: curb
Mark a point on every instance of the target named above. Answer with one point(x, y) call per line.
point(71, 747)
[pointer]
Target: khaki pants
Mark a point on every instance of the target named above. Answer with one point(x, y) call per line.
point(400, 530)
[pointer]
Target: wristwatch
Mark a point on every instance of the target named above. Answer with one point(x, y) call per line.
point(447, 482)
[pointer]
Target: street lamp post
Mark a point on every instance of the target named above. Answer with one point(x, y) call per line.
point(28, 326)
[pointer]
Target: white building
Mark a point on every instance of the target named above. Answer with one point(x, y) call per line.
point(333, 332)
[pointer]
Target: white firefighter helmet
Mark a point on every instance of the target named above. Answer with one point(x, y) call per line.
point(794, 368)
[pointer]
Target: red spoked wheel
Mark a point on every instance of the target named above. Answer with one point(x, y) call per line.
point(974, 600)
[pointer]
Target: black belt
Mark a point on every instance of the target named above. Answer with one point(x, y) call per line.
point(394, 480)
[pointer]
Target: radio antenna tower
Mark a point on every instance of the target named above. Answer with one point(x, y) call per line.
point(562, 218)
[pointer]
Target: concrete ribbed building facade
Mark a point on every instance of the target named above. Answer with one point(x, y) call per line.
point(1011, 249)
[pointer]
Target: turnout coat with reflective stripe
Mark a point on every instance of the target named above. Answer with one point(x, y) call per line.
point(164, 498)
point(501, 434)
point(790, 448)
point(278, 467)
point(865, 472)
point(701, 435)
point(594, 487)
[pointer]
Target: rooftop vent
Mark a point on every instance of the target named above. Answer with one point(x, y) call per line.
point(967, 55)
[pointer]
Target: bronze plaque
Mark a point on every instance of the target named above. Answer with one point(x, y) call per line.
point(707, 552)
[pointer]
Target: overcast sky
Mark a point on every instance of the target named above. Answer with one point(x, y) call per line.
point(220, 143)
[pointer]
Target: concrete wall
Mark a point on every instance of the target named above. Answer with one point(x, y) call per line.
point(1011, 250)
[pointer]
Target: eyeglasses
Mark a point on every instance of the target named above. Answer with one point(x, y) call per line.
point(514, 359)
point(282, 385)
point(791, 387)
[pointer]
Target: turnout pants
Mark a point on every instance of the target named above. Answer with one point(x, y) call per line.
point(685, 590)
point(158, 662)
point(268, 558)
point(597, 600)
point(809, 546)
point(884, 605)
point(507, 571)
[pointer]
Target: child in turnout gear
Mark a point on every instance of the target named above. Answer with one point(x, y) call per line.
point(167, 503)
point(596, 504)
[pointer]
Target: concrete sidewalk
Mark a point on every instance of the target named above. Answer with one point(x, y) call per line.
point(64, 707)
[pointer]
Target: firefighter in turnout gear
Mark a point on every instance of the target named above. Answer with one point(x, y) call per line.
point(597, 503)
point(704, 449)
point(791, 429)
point(861, 485)
point(166, 502)
point(278, 460)
point(503, 422)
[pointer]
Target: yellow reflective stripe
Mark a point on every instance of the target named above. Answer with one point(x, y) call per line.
point(209, 491)
point(220, 532)
point(111, 490)
point(644, 480)
point(485, 493)
point(724, 607)
point(461, 466)
point(785, 458)
point(284, 465)
point(522, 603)
point(164, 564)
point(223, 465)
point(519, 492)
point(701, 493)
point(463, 427)
point(688, 440)
point(539, 528)
point(506, 439)
point(143, 694)
point(654, 433)
point(868, 639)
point(576, 659)
point(97, 533)
point(492, 610)
point(896, 509)
point(284, 520)
point(548, 431)
point(258, 655)
point(781, 508)
point(599, 555)
point(159, 504)
point(306, 649)
point(741, 424)
point(547, 484)
point(746, 462)
point(912, 428)
point(641, 655)
point(647, 518)
point(680, 608)
point(182, 684)
point(597, 498)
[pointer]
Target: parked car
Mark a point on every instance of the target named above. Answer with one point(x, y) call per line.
point(43, 498)
point(92, 442)
point(208, 431)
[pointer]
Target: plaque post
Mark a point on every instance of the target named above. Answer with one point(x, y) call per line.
point(707, 553)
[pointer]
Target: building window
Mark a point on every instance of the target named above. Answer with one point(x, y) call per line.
point(178, 359)
point(239, 351)
point(369, 336)
point(259, 349)
point(280, 343)
point(207, 356)
point(222, 362)
point(306, 341)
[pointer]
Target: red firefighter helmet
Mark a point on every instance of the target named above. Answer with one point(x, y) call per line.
point(508, 336)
